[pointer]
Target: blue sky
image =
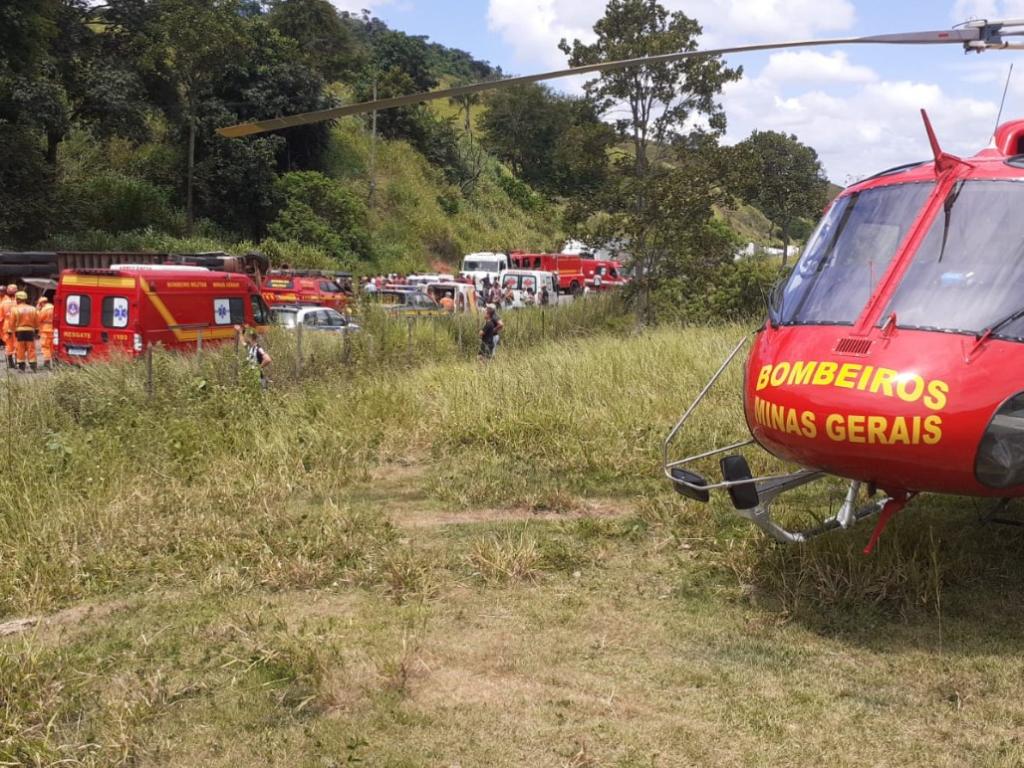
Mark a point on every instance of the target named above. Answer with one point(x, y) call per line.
point(857, 105)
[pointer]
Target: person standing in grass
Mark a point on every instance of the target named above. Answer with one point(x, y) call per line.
point(489, 334)
point(6, 305)
point(23, 320)
point(45, 309)
point(258, 357)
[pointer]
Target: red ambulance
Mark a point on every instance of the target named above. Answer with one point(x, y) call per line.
point(129, 308)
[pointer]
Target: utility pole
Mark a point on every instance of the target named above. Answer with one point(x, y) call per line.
point(189, 212)
point(373, 145)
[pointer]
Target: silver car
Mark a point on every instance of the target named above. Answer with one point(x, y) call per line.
point(312, 319)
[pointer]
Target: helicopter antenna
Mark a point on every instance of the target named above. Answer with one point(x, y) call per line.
point(1002, 101)
point(943, 160)
point(974, 36)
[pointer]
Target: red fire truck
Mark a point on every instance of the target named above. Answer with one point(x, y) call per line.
point(132, 307)
point(568, 269)
point(292, 287)
point(603, 274)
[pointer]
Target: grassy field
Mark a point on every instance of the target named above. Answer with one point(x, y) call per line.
point(422, 561)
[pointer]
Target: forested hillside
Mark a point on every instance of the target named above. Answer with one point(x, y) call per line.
point(109, 112)
point(102, 104)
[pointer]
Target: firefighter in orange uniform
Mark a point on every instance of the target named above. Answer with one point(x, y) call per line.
point(45, 309)
point(6, 305)
point(23, 319)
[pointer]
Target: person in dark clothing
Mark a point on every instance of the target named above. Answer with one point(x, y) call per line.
point(257, 356)
point(545, 297)
point(487, 334)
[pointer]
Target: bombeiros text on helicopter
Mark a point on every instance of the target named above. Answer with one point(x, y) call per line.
point(893, 354)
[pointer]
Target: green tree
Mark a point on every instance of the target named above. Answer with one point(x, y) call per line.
point(190, 43)
point(660, 101)
point(660, 98)
point(26, 29)
point(554, 143)
point(782, 177)
point(326, 43)
point(322, 212)
point(27, 103)
point(235, 179)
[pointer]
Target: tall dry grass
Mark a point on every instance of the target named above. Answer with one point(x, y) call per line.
point(110, 486)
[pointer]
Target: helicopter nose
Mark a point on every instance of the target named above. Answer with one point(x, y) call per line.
point(906, 414)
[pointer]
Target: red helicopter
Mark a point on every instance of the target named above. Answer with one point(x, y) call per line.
point(891, 355)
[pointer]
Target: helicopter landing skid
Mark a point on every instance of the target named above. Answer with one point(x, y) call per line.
point(848, 514)
point(753, 496)
point(995, 516)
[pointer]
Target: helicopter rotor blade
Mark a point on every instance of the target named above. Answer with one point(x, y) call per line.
point(974, 36)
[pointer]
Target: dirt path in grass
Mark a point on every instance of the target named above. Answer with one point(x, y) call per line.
point(419, 518)
point(63, 623)
point(399, 489)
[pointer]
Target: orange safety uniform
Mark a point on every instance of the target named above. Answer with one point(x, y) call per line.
point(46, 331)
point(24, 321)
point(7, 303)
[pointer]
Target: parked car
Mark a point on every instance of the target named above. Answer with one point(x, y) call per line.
point(312, 318)
point(406, 301)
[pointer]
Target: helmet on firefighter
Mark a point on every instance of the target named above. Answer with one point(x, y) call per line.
point(11, 289)
point(42, 300)
point(21, 296)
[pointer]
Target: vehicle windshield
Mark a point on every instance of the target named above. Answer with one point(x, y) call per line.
point(968, 273)
point(848, 254)
point(284, 317)
point(472, 265)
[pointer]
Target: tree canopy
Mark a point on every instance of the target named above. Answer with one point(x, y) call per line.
point(782, 177)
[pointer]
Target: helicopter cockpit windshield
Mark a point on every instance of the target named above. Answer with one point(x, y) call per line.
point(968, 273)
point(848, 254)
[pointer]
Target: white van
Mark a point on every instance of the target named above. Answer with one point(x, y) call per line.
point(522, 281)
point(477, 266)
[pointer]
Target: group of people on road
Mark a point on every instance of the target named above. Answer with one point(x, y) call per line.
point(22, 324)
point(505, 296)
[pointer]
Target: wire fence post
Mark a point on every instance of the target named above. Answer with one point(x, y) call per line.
point(346, 350)
point(10, 420)
point(199, 345)
point(238, 347)
point(408, 344)
point(149, 372)
point(298, 349)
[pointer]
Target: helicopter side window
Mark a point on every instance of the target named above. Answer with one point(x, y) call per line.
point(848, 254)
point(968, 273)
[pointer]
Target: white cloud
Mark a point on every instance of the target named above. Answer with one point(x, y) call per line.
point(859, 120)
point(532, 28)
point(355, 6)
point(737, 21)
point(811, 66)
point(987, 9)
point(875, 127)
